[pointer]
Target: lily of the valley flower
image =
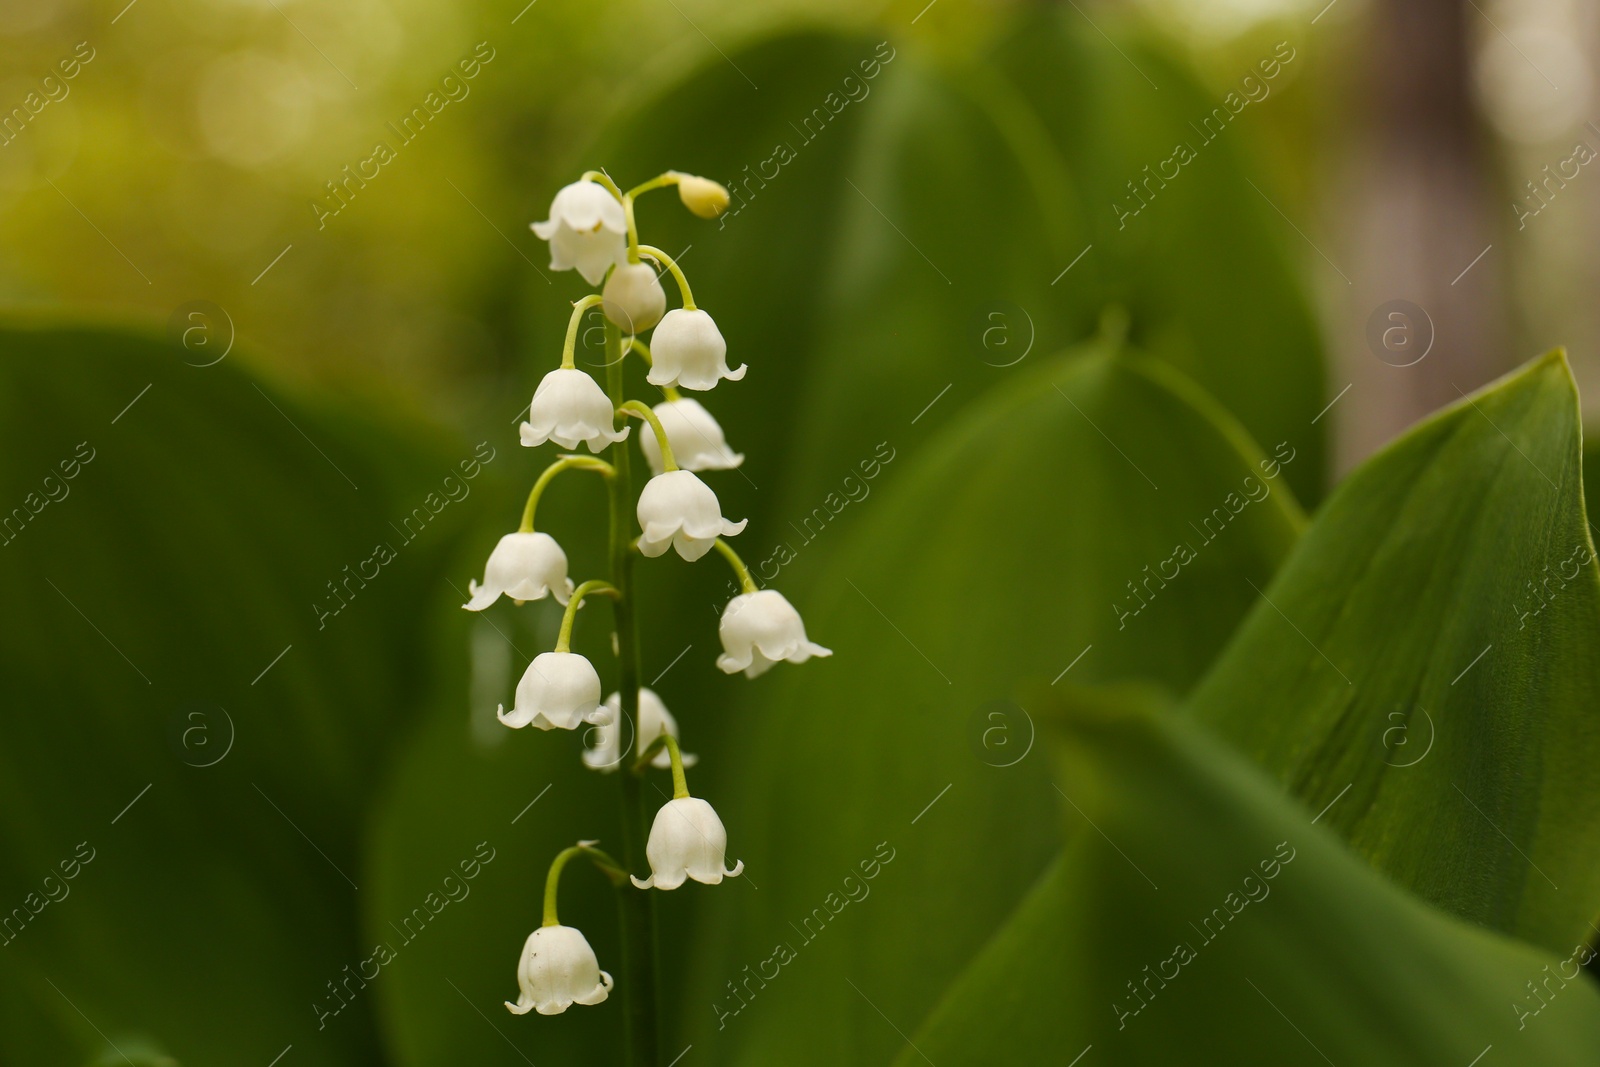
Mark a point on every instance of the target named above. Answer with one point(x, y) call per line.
point(586, 229)
point(696, 438)
point(634, 298)
point(687, 840)
point(558, 969)
point(523, 566)
point(558, 691)
point(704, 197)
point(678, 510)
point(761, 628)
point(688, 351)
point(570, 407)
point(654, 720)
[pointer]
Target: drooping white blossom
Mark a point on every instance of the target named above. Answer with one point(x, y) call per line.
point(678, 510)
point(633, 297)
point(761, 628)
point(654, 720)
point(687, 351)
point(686, 840)
point(558, 691)
point(586, 229)
point(557, 970)
point(569, 407)
point(697, 441)
point(523, 566)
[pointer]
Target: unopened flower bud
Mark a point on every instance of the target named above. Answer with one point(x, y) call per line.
point(702, 196)
point(634, 299)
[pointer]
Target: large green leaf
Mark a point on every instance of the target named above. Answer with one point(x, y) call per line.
point(974, 191)
point(1003, 553)
point(178, 709)
point(1425, 663)
point(1203, 265)
point(1194, 910)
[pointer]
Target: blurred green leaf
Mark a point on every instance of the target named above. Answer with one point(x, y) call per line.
point(1004, 552)
point(1591, 475)
point(1197, 911)
point(1424, 665)
point(1200, 260)
point(189, 740)
point(974, 189)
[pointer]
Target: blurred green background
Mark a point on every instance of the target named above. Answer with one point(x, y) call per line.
point(275, 369)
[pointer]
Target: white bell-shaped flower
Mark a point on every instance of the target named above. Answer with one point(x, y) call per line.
point(678, 510)
point(586, 229)
point(759, 629)
point(558, 969)
point(687, 351)
point(523, 566)
point(654, 720)
point(558, 691)
point(633, 297)
point(686, 840)
point(570, 407)
point(697, 440)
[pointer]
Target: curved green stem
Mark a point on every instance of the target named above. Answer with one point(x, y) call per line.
point(585, 463)
point(660, 181)
point(552, 881)
point(680, 786)
point(633, 228)
point(600, 177)
point(640, 979)
point(667, 261)
point(642, 410)
point(593, 587)
point(569, 349)
point(746, 583)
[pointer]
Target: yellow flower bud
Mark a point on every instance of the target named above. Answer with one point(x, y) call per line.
point(702, 196)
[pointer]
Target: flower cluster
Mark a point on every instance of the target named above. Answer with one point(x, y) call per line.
point(591, 229)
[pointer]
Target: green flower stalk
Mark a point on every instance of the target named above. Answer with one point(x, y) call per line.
point(592, 229)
